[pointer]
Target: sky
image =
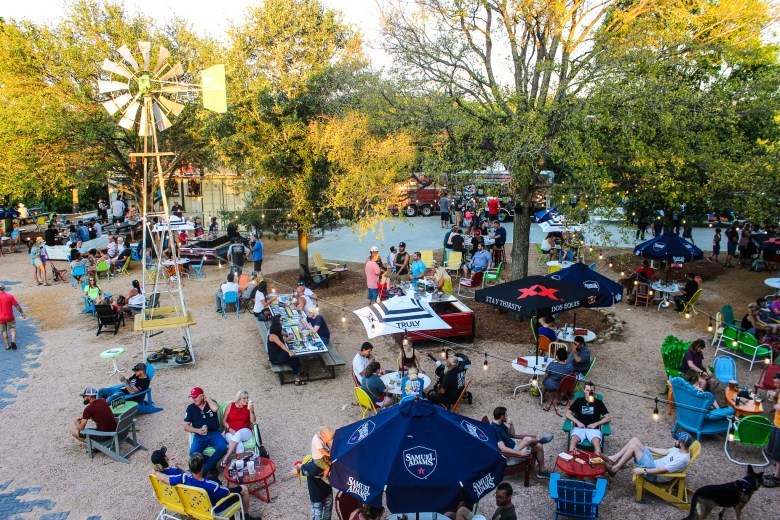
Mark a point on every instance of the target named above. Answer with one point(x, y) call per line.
point(211, 16)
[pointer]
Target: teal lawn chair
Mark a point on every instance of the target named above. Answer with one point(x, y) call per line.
point(230, 297)
point(77, 274)
point(753, 430)
point(586, 445)
point(575, 498)
point(728, 318)
point(725, 369)
point(199, 269)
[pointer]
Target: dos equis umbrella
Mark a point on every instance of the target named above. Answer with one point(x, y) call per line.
point(602, 291)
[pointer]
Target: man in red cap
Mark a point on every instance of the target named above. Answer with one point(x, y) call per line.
point(202, 419)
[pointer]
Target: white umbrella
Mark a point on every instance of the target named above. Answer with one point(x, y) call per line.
point(398, 314)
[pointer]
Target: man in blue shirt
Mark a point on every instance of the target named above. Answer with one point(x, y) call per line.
point(215, 490)
point(202, 419)
point(480, 261)
point(499, 233)
point(418, 266)
point(516, 447)
point(257, 254)
point(83, 231)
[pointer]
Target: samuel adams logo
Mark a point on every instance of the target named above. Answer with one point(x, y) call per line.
point(538, 290)
point(419, 461)
point(484, 485)
point(473, 430)
point(358, 488)
point(361, 433)
point(592, 285)
point(659, 246)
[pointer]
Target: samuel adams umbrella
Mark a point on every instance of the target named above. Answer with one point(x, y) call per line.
point(668, 246)
point(421, 456)
point(534, 295)
point(399, 314)
point(602, 291)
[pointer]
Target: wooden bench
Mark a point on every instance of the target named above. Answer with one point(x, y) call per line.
point(330, 360)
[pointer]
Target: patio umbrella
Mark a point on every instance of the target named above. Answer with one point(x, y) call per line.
point(669, 247)
point(602, 291)
point(545, 215)
point(771, 249)
point(421, 456)
point(399, 314)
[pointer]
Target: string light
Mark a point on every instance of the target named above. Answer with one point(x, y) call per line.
point(731, 433)
point(443, 353)
point(709, 327)
point(343, 319)
point(535, 381)
point(687, 315)
point(622, 273)
point(601, 256)
point(590, 397)
point(655, 410)
point(485, 364)
point(710, 224)
point(734, 343)
point(636, 283)
point(610, 265)
point(766, 361)
point(649, 293)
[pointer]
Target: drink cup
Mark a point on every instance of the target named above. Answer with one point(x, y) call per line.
point(545, 358)
point(732, 385)
point(250, 466)
point(240, 465)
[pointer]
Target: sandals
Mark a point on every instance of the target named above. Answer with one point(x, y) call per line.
point(299, 383)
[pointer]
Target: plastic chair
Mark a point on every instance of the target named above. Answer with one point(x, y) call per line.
point(365, 403)
point(553, 269)
point(553, 348)
point(575, 498)
point(728, 317)
point(427, 258)
point(77, 274)
point(544, 347)
point(168, 498)
point(725, 369)
point(565, 387)
point(493, 275)
point(197, 504)
point(102, 267)
point(674, 491)
point(454, 261)
point(345, 505)
point(585, 444)
point(230, 297)
point(475, 282)
point(643, 294)
point(753, 430)
point(694, 410)
point(460, 397)
point(199, 268)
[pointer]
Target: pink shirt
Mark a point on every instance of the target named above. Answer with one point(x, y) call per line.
point(7, 303)
point(372, 274)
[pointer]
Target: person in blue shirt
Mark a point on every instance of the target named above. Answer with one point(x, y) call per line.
point(163, 464)
point(257, 254)
point(202, 419)
point(480, 261)
point(375, 387)
point(547, 328)
point(316, 323)
point(514, 447)
point(215, 490)
point(83, 231)
point(557, 370)
point(412, 385)
point(499, 233)
point(418, 266)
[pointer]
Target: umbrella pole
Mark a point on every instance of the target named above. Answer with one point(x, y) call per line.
point(536, 335)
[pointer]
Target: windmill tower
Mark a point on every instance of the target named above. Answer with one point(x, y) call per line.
point(145, 97)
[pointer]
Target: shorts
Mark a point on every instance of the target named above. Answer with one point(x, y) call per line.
point(258, 266)
point(647, 461)
point(716, 250)
point(10, 325)
point(477, 269)
point(231, 499)
point(731, 247)
point(373, 294)
point(383, 403)
point(587, 434)
point(445, 216)
point(99, 438)
point(36, 262)
point(493, 216)
point(773, 447)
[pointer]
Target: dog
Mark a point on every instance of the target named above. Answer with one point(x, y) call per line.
point(734, 494)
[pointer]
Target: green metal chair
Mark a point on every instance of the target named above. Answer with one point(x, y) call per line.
point(753, 430)
point(606, 429)
point(493, 275)
point(102, 267)
point(750, 347)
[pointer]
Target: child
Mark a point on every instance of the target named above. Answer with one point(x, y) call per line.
point(411, 385)
point(319, 465)
point(715, 247)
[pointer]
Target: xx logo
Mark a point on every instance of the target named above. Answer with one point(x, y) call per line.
point(538, 290)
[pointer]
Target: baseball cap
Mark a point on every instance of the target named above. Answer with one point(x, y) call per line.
point(300, 283)
point(2, 287)
point(90, 390)
point(401, 244)
point(374, 249)
point(140, 366)
point(684, 438)
point(158, 456)
point(195, 392)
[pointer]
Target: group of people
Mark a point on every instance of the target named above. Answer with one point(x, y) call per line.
point(744, 245)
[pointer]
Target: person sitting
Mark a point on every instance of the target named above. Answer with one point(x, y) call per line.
point(111, 250)
point(505, 510)
point(753, 323)
point(373, 385)
point(215, 490)
point(412, 385)
point(202, 419)
point(441, 278)
point(694, 360)
point(587, 414)
point(237, 424)
point(262, 307)
point(408, 357)
point(418, 266)
point(547, 328)
point(556, 370)
point(699, 382)
point(691, 286)
point(550, 247)
point(456, 241)
point(579, 356)
point(229, 286)
point(304, 296)
point(481, 261)
point(361, 361)
point(99, 412)
point(135, 298)
point(673, 460)
point(122, 256)
point(451, 379)
point(645, 273)
point(316, 323)
point(136, 383)
point(162, 463)
point(278, 351)
point(92, 290)
point(513, 447)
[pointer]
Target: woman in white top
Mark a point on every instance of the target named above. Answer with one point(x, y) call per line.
point(305, 296)
point(135, 298)
point(262, 304)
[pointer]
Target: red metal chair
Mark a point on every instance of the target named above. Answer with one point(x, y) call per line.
point(474, 283)
point(565, 388)
point(765, 379)
point(345, 505)
point(643, 294)
point(524, 466)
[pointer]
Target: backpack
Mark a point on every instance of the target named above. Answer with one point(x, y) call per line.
point(758, 266)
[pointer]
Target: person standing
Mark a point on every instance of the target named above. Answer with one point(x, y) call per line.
point(7, 319)
point(492, 206)
point(237, 252)
point(715, 247)
point(732, 241)
point(444, 210)
point(401, 263)
point(373, 273)
point(457, 208)
point(39, 270)
point(257, 254)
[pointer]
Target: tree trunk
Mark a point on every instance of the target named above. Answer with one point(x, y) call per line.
point(303, 252)
point(522, 232)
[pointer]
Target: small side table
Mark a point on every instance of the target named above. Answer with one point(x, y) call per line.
point(265, 475)
point(112, 354)
point(576, 469)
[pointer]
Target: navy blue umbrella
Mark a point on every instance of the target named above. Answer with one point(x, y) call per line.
point(423, 457)
point(602, 292)
point(545, 215)
point(670, 247)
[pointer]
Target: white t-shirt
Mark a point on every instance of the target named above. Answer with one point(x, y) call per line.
point(228, 287)
point(136, 300)
point(117, 208)
point(112, 249)
point(259, 301)
point(674, 461)
point(359, 364)
point(317, 446)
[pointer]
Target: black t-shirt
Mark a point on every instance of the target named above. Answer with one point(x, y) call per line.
point(457, 243)
point(237, 254)
point(588, 413)
point(198, 418)
point(452, 385)
point(140, 383)
point(400, 258)
point(690, 288)
point(50, 236)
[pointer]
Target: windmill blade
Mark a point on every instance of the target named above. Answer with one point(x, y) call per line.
point(175, 71)
point(171, 106)
point(160, 118)
point(116, 68)
point(213, 84)
point(104, 87)
point(143, 125)
point(127, 56)
point(162, 58)
point(178, 88)
point(129, 114)
point(115, 105)
point(146, 50)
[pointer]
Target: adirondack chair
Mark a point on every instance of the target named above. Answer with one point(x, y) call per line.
point(575, 498)
point(765, 380)
point(694, 413)
point(672, 352)
point(728, 317)
point(77, 274)
point(110, 443)
point(585, 444)
point(102, 267)
point(674, 491)
point(323, 267)
point(107, 317)
point(252, 444)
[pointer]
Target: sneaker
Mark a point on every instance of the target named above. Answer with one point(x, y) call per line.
point(771, 481)
point(547, 438)
point(543, 474)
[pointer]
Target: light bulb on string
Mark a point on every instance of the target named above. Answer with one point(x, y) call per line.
point(535, 381)
point(734, 343)
point(687, 315)
point(710, 224)
point(709, 327)
point(343, 319)
point(731, 434)
point(443, 353)
point(590, 397)
point(636, 283)
point(767, 361)
point(601, 256)
point(610, 265)
point(485, 364)
point(622, 273)
point(655, 410)
point(649, 293)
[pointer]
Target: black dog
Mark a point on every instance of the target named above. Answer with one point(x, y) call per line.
point(735, 494)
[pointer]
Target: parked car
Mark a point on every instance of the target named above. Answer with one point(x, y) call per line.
point(456, 314)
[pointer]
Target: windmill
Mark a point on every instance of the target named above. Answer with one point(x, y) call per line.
point(145, 97)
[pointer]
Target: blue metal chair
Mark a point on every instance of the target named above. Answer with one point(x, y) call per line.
point(228, 298)
point(725, 369)
point(145, 405)
point(76, 274)
point(197, 269)
point(575, 498)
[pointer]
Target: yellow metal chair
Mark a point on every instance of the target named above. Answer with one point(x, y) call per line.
point(673, 491)
point(125, 270)
point(553, 269)
point(690, 305)
point(427, 258)
point(197, 504)
point(364, 402)
point(454, 260)
point(168, 498)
